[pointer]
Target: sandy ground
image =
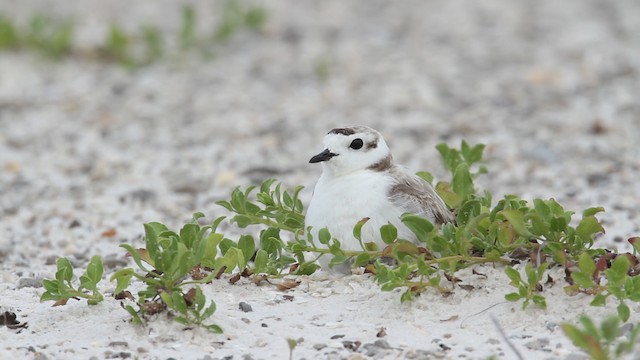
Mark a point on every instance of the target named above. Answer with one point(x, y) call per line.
point(91, 151)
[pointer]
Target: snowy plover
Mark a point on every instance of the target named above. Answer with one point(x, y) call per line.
point(359, 179)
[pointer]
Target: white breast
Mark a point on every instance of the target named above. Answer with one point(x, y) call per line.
point(338, 203)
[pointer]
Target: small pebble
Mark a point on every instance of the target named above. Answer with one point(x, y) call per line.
point(30, 282)
point(245, 307)
point(383, 344)
point(119, 343)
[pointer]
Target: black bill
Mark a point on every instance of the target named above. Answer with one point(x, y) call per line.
point(323, 156)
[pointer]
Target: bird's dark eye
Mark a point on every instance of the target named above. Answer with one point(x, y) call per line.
point(356, 144)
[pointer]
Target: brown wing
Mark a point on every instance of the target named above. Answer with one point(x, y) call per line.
point(412, 194)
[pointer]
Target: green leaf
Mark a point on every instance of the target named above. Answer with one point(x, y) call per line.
point(558, 224)
point(362, 259)
point(307, 268)
point(389, 233)
point(586, 264)
point(475, 154)
point(588, 227)
point(426, 176)
point(247, 245)
point(512, 297)
point(588, 325)
point(540, 301)
point(576, 335)
point(95, 269)
point(469, 210)
point(231, 260)
point(462, 182)
point(618, 271)
point(623, 312)
point(65, 270)
point(122, 277)
point(357, 229)
point(450, 198)
point(214, 329)
point(242, 221)
point(583, 279)
point(50, 286)
point(406, 296)
point(260, 262)
point(611, 328)
point(513, 275)
point(542, 208)
point(324, 236)
point(539, 226)
point(188, 234)
point(592, 211)
point(152, 234)
point(516, 219)
point(598, 300)
point(420, 226)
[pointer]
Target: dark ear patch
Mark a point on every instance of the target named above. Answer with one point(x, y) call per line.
point(382, 165)
point(373, 144)
point(343, 131)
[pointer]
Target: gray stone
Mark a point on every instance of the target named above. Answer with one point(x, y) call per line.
point(35, 282)
point(245, 307)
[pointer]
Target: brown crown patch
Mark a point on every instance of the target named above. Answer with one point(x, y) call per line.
point(343, 131)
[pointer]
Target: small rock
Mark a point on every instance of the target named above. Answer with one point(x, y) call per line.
point(383, 344)
point(75, 223)
point(51, 260)
point(35, 282)
point(551, 326)
point(40, 356)
point(351, 345)
point(264, 325)
point(119, 343)
point(319, 346)
point(246, 321)
point(419, 354)
point(141, 195)
point(537, 344)
point(245, 307)
point(113, 261)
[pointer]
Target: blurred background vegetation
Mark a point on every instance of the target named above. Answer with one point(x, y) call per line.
point(54, 35)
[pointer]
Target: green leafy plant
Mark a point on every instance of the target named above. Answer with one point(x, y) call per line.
point(618, 284)
point(236, 16)
point(51, 37)
point(173, 256)
point(601, 342)
point(530, 289)
point(9, 38)
point(62, 288)
point(117, 45)
point(187, 28)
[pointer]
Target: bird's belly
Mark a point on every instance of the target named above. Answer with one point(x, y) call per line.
point(339, 204)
